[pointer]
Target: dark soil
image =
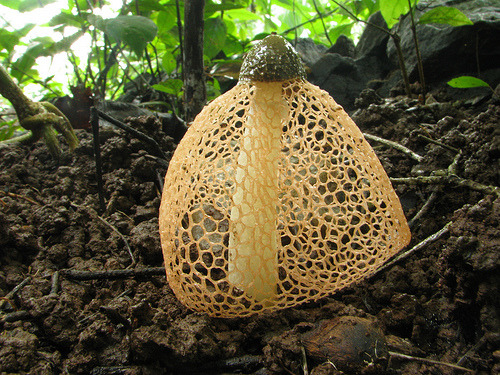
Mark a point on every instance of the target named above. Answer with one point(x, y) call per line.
point(441, 303)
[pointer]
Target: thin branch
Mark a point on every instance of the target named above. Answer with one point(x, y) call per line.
point(129, 250)
point(15, 316)
point(427, 205)
point(417, 52)
point(431, 361)
point(94, 121)
point(420, 245)
point(395, 145)
point(448, 179)
point(112, 274)
point(55, 283)
point(472, 350)
point(308, 21)
point(14, 291)
point(179, 29)
point(397, 43)
point(445, 146)
point(155, 146)
point(322, 22)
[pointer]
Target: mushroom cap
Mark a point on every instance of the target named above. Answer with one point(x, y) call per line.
point(272, 59)
point(338, 217)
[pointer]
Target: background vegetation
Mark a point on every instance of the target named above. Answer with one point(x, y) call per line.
point(140, 47)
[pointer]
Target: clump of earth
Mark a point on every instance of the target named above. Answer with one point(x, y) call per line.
point(435, 311)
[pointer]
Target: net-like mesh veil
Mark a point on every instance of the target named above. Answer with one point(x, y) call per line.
point(274, 198)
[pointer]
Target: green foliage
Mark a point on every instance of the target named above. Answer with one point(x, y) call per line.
point(445, 15)
point(467, 82)
point(25, 5)
point(8, 129)
point(144, 37)
point(392, 9)
point(135, 31)
point(170, 86)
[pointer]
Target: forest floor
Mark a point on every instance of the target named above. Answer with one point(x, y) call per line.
point(435, 311)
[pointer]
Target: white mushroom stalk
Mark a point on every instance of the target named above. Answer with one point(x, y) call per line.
point(254, 238)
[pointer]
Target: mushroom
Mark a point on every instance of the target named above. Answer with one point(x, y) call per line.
point(273, 197)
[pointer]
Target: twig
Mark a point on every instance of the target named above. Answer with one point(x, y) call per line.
point(420, 245)
point(13, 292)
point(305, 369)
point(15, 316)
point(156, 147)
point(395, 145)
point(417, 51)
point(112, 274)
point(448, 179)
point(56, 284)
point(180, 32)
point(430, 140)
point(431, 361)
point(94, 121)
point(123, 238)
point(395, 38)
point(14, 195)
point(104, 221)
point(322, 22)
point(478, 345)
point(311, 20)
point(427, 205)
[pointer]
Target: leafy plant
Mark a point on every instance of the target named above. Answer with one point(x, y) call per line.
point(141, 46)
point(393, 10)
point(468, 82)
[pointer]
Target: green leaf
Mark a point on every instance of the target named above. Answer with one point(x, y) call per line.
point(26, 61)
point(166, 20)
point(66, 19)
point(10, 4)
point(212, 7)
point(214, 37)
point(337, 31)
point(8, 40)
point(392, 9)
point(149, 5)
point(447, 15)
point(467, 82)
point(168, 62)
point(242, 15)
point(28, 5)
point(170, 86)
point(64, 44)
point(135, 31)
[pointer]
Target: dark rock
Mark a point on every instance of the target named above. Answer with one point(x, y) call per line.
point(367, 97)
point(344, 72)
point(373, 41)
point(449, 51)
point(344, 46)
point(309, 51)
point(344, 78)
point(350, 342)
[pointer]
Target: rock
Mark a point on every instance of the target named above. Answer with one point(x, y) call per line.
point(345, 72)
point(373, 41)
point(344, 77)
point(350, 342)
point(344, 46)
point(449, 51)
point(340, 77)
point(309, 51)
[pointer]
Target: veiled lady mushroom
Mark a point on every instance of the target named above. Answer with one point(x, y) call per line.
point(273, 197)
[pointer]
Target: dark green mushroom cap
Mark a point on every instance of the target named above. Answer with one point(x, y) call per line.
point(272, 59)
